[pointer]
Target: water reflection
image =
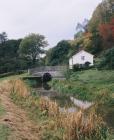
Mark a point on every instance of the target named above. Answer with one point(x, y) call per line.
point(62, 100)
point(46, 86)
point(69, 110)
point(71, 103)
point(81, 104)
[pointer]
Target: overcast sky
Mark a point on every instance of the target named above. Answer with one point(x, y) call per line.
point(56, 19)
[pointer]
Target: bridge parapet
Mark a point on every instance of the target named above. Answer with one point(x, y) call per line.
point(55, 71)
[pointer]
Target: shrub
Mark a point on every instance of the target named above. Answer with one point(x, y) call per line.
point(19, 87)
point(76, 67)
point(108, 59)
point(87, 64)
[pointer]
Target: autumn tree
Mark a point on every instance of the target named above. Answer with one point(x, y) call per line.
point(107, 31)
point(102, 14)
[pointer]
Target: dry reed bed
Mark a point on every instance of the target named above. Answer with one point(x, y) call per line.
point(15, 86)
point(75, 125)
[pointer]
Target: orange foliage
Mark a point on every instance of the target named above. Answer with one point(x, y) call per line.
point(112, 27)
point(88, 35)
point(107, 31)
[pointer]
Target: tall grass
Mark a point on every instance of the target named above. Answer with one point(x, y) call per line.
point(51, 108)
point(60, 125)
point(77, 125)
point(19, 87)
point(86, 85)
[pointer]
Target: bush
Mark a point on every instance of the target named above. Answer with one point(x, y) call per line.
point(107, 59)
point(68, 73)
point(87, 64)
point(76, 67)
point(79, 67)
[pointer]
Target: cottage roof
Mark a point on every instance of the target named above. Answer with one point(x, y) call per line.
point(81, 52)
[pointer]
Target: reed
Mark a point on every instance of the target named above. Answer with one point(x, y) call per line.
point(51, 108)
point(77, 125)
point(5, 87)
point(73, 126)
point(20, 88)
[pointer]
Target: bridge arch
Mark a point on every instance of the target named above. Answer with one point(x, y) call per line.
point(46, 77)
point(55, 71)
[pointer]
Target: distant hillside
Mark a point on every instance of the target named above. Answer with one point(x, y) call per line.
point(99, 33)
point(95, 36)
point(102, 14)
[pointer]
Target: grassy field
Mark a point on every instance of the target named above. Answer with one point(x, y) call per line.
point(88, 85)
point(91, 85)
point(2, 110)
point(4, 132)
point(12, 77)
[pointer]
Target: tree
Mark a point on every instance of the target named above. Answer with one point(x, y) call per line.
point(59, 54)
point(11, 48)
point(108, 59)
point(32, 46)
point(96, 43)
point(107, 31)
point(3, 37)
point(81, 28)
point(9, 57)
point(102, 14)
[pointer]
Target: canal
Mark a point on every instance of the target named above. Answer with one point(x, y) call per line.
point(42, 88)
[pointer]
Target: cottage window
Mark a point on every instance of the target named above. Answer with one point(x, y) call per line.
point(83, 58)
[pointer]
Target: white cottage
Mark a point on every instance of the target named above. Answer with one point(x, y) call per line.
point(81, 58)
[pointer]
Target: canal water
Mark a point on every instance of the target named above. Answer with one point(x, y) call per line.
point(71, 103)
point(64, 101)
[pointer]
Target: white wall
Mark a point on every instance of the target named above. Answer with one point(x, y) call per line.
point(71, 63)
point(77, 59)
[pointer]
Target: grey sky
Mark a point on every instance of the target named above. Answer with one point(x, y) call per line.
point(56, 19)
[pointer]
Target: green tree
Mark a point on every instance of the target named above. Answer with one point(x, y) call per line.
point(9, 58)
point(96, 43)
point(3, 37)
point(108, 59)
point(32, 46)
point(59, 54)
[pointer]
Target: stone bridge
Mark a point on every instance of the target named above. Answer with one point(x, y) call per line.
point(55, 71)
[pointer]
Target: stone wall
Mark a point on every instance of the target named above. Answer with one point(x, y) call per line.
point(55, 71)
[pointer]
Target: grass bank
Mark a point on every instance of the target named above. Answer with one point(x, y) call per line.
point(4, 132)
point(14, 76)
point(4, 129)
point(2, 110)
point(90, 85)
point(56, 125)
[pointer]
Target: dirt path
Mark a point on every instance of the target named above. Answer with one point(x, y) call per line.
point(16, 118)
